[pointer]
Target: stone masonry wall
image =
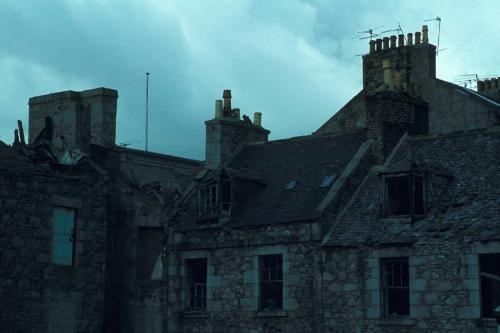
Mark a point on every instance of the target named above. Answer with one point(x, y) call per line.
point(233, 275)
point(37, 295)
point(444, 290)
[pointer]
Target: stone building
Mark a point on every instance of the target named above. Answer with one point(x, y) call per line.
point(385, 219)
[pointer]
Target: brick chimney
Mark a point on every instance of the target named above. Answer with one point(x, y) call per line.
point(389, 115)
point(413, 62)
point(227, 131)
point(78, 118)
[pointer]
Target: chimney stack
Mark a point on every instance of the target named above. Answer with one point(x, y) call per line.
point(387, 67)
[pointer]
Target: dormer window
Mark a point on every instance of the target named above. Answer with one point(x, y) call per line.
point(214, 201)
point(207, 201)
point(404, 195)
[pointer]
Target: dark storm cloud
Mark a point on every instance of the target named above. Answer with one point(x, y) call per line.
point(293, 60)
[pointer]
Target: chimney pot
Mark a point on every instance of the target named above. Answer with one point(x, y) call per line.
point(236, 113)
point(401, 40)
point(410, 39)
point(425, 34)
point(227, 99)
point(487, 84)
point(386, 43)
point(218, 109)
point(257, 119)
point(418, 34)
point(480, 85)
point(387, 68)
point(372, 46)
point(378, 44)
point(393, 41)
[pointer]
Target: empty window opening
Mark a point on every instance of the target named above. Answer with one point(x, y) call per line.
point(395, 287)
point(196, 273)
point(63, 236)
point(404, 195)
point(207, 201)
point(271, 282)
point(489, 265)
point(149, 263)
point(398, 196)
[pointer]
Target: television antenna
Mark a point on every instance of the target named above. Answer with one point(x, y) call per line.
point(147, 109)
point(471, 79)
point(368, 34)
point(398, 29)
point(438, 20)
point(128, 143)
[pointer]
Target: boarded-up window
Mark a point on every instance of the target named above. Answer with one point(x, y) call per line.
point(395, 287)
point(490, 285)
point(149, 248)
point(271, 282)
point(63, 236)
point(196, 274)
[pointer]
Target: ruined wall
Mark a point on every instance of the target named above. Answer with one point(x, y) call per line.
point(79, 118)
point(233, 275)
point(37, 295)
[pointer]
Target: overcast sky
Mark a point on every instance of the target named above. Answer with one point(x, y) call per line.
point(296, 61)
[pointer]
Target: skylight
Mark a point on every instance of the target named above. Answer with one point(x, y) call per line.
point(291, 184)
point(328, 180)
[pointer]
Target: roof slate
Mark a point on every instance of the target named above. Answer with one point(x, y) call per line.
point(469, 207)
point(306, 160)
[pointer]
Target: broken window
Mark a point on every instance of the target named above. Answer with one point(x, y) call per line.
point(63, 236)
point(271, 282)
point(404, 195)
point(196, 274)
point(207, 200)
point(395, 287)
point(225, 197)
point(489, 264)
point(149, 263)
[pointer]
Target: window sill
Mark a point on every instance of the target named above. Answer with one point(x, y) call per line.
point(271, 313)
point(396, 322)
point(487, 322)
point(195, 314)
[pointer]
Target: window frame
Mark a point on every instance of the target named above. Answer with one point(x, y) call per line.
point(215, 198)
point(386, 290)
point(72, 240)
point(487, 276)
point(191, 300)
point(412, 176)
point(264, 283)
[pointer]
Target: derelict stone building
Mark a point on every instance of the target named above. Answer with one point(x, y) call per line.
point(383, 220)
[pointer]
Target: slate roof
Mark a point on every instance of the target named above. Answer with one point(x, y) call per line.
point(306, 160)
point(12, 160)
point(469, 207)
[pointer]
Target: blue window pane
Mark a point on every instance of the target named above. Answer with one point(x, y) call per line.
point(63, 236)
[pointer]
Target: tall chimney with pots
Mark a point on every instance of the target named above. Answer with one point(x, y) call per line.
point(227, 131)
point(416, 62)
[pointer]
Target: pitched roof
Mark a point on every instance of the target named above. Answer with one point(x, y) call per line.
point(469, 206)
point(306, 160)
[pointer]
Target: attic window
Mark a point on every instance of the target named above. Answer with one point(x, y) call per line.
point(207, 200)
point(291, 184)
point(404, 195)
point(327, 181)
